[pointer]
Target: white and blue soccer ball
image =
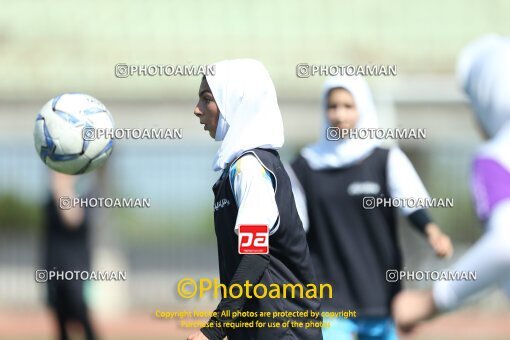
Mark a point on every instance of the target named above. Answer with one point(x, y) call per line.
point(59, 133)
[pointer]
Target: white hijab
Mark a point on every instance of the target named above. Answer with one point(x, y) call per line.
point(326, 153)
point(249, 113)
point(484, 74)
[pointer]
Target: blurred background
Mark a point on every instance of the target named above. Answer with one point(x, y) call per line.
point(50, 47)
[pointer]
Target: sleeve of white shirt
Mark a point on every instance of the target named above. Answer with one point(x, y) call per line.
point(254, 193)
point(403, 180)
point(489, 258)
point(299, 196)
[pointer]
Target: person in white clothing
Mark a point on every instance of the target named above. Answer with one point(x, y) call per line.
point(484, 74)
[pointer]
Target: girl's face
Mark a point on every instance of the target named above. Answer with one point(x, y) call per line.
point(342, 112)
point(206, 109)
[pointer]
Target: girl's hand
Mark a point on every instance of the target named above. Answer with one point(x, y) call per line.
point(411, 307)
point(440, 242)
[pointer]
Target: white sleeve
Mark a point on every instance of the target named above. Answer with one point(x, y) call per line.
point(253, 190)
point(489, 258)
point(299, 196)
point(403, 181)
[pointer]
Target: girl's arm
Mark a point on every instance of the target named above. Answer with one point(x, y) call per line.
point(251, 268)
point(404, 182)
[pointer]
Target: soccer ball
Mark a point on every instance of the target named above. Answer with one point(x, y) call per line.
point(59, 133)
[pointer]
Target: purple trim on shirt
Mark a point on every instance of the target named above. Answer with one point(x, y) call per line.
point(490, 185)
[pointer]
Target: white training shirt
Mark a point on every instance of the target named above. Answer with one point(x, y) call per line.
point(403, 182)
point(254, 193)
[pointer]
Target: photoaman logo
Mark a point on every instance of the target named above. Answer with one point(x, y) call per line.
point(253, 239)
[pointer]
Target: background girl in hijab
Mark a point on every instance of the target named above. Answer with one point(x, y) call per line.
point(67, 248)
point(238, 107)
point(484, 72)
point(353, 247)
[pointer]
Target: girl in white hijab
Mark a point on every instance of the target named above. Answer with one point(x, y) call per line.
point(484, 74)
point(327, 153)
point(238, 106)
point(354, 243)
